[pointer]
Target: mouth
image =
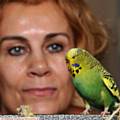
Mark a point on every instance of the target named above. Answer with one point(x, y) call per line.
point(41, 92)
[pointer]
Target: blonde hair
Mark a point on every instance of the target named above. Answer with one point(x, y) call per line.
point(85, 27)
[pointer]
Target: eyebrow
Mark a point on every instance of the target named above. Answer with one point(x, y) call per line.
point(5, 38)
point(21, 38)
point(57, 34)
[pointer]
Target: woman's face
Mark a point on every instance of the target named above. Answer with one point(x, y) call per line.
point(33, 72)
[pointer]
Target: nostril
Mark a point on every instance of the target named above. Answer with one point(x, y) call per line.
point(33, 73)
point(38, 66)
point(38, 73)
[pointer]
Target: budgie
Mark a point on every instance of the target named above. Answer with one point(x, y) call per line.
point(92, 81)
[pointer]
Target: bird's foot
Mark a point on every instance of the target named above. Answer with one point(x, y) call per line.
point(103, 113)
point(86, 112)
point(117, 111)
point(87, 108)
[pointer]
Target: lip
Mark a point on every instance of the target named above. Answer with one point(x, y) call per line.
point(41, 92)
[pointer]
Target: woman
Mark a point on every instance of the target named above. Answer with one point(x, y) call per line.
point(35, 35)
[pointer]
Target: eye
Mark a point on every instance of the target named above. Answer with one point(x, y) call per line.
point(16, 51)
point(55, 48)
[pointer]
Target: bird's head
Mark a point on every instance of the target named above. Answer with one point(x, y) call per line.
point(74, 60)
point(78, 59)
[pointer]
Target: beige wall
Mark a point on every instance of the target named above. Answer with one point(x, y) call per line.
point(109, 12)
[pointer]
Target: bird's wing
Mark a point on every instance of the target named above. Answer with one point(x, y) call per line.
point(110, 84)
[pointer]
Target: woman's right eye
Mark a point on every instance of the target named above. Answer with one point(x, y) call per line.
point(16, 51)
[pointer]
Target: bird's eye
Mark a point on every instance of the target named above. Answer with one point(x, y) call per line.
point(73, 57)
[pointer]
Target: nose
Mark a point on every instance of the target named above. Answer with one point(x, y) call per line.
point(38, 66)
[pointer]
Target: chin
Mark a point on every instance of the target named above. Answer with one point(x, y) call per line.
point(45, 108)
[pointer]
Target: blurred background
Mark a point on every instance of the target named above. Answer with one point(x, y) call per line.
point(109, 12)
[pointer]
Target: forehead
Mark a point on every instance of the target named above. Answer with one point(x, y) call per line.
point(46, 15)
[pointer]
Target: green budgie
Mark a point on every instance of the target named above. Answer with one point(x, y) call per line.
point(92, 81)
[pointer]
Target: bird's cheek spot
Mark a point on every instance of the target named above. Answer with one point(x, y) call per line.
point(77, 71)
point(73, 75)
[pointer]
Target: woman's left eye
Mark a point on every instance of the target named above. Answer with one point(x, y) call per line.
point(16, 51)
point(55, 47)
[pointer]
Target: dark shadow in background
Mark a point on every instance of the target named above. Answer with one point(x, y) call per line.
point(118, 29)
point(109, 12)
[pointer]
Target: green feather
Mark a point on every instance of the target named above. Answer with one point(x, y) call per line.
point(91, 79)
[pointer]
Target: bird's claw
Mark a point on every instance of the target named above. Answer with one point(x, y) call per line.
point(103, 113)
point(86, 112)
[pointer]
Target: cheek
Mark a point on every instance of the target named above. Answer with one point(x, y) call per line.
point(11, 73)
point(60, 69)
point(63, 77)
point(10, 82)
